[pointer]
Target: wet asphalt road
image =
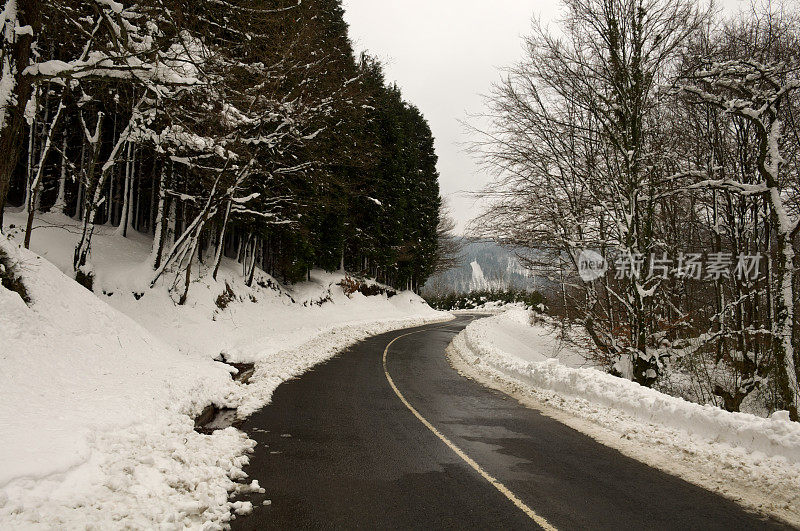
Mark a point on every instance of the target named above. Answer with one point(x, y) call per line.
point(337, 449)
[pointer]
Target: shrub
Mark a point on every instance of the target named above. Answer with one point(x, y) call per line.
point(226, 297)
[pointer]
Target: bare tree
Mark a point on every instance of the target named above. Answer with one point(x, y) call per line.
point(756, 91)
point(576, 130)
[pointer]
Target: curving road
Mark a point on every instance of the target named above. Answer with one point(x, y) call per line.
point(403, 441)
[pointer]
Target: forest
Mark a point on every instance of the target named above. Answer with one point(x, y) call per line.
point(661, 137)
point(240, 129)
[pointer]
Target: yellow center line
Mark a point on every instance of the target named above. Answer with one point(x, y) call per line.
point(544, 524)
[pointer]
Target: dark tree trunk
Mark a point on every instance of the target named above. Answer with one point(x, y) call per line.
point(19, 53)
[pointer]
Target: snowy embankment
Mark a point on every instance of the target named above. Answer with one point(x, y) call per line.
point(98, 392)
point(753, 460)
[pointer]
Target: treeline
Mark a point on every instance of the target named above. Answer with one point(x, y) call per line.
point(665, 139)
point(240, 129)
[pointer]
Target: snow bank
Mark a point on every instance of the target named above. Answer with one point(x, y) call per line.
point(751, 460)
point(95, 415)
point(98, 391)
point(507, 344)
point(492, 307)
point(259, 321)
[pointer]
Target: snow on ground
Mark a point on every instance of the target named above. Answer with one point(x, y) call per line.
point(478, 280)
point(96, 415)
point(513, 335)
point(98, 391)
point(753, 460)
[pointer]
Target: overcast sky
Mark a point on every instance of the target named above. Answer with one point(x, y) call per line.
point(444, 54)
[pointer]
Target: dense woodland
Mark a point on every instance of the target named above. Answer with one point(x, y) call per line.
point(660, 129)
point(243, 129)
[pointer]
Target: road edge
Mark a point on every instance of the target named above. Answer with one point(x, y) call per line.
point(673, 460)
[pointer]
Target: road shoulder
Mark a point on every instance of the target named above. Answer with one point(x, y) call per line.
point(715, 467)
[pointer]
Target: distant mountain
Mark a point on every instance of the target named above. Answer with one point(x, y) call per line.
point(485, 265)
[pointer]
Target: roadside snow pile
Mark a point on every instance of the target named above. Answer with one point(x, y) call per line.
point(509, 345)
point(751, 460)
point(98, 392)
point(283, 331)
point(95, 424)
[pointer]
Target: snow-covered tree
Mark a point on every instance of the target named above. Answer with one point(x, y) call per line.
point(756, 90)
point(245, 130)
point(577, 128)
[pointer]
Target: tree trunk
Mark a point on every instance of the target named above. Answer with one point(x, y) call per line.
point(33, 198)
point(784, 320)
point(96, 201)
point(769, 166)
point(188, 277)
point(29, 166)
point(61, 202)
point(252, 265)
point(159, 225)
point(16, 55)
point(221, 240)
point(122, 229)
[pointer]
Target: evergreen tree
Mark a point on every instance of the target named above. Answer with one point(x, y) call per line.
point(239, 128)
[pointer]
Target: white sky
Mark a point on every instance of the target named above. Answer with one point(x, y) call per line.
point(444, 54)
